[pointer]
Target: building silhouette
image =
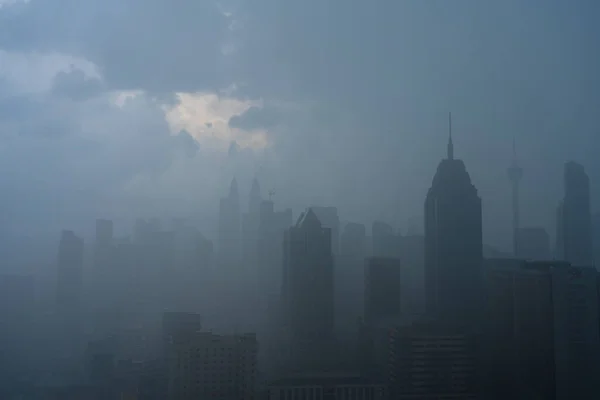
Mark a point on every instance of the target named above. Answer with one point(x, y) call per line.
point(382, 289)
point(329, 219)
point(229, 241)
point(250, 227)
point(453, 243)
point(515, 174)
point(308, 292)
point(574, 218)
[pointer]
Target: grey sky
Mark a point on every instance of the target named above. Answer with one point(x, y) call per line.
point(346, 103)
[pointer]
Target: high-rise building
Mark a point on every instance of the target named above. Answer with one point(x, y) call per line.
point(70, 270)
point(574, 218)
point(204, 365)
point(385, 242)
point(308, 291)
point(229, 243)
point(382, 289)
point(543, 332)
point(453, 243)
point(329, 219)
point(515, 174)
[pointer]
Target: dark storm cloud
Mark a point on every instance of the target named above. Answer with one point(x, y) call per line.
point(155, 45)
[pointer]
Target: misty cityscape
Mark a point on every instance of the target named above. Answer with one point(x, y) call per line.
point(249, 199)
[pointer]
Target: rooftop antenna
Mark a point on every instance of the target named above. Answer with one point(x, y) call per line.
point(450, 149)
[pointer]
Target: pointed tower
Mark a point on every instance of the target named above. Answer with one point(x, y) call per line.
point(453, 243)
point(515, 173)
point(255, 198)
point(450, 146)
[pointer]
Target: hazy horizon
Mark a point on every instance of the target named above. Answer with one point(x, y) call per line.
point(125, 109)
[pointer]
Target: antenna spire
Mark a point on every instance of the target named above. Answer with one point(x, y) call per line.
point(450, 148)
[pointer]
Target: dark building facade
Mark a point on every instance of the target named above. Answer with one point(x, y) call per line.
point(574, 219)
point(382, 289)
point(453, 243)
point(308, 292)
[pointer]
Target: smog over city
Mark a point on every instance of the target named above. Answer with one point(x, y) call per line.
point(315, 200)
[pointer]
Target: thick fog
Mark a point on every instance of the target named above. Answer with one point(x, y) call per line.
point(128, 109)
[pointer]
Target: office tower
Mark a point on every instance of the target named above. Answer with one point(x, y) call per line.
point(543, 332)
point(453, 243)
point(70, 270)
point(385, 242)
point(515, 174)
point(413, 274)
point(250, 227)
point(16, 326)
point(431, 361)
point(272, 226)
point(329, 219)
point(382, 289)
point(229, 246)
point(204, 365)
point(574, 220)
point(176, 324)
point(308, 291)
point(533, 244)
point(349, 282)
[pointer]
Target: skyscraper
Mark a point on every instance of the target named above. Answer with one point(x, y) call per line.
point(229, 226)
point(515, 173)
point(250, 227)
point(453, 243)
point(574, 218)
point(308, 291)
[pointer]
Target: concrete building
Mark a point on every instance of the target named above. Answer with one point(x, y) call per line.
point(204, 365)
point(429, 361)
point(341, 386)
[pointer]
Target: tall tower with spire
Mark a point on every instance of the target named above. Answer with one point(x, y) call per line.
point(453, 243)
point(515, 174)
point(450, 146)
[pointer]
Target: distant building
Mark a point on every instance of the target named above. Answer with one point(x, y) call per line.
point(204, 365)
point(179, 324)
point(229, 241)
point(308, 291)
point(453, 244)
point(69, 270)
point(382, 288)
point(533, 244)
point(250, 227)
point(574, 221)
point(413, 274)
point(385, 242)
point(341, 386)
point(329, 219)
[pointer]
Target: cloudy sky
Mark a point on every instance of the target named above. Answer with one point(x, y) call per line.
point(128, 107)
